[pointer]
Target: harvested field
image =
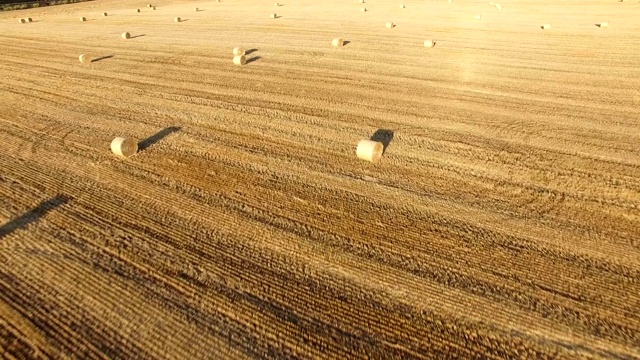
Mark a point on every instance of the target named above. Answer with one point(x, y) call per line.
point(502, 222)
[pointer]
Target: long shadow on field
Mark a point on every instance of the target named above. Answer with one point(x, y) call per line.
point(33, 215)
point(137, 36)
point(384, 136)
point(250, 51)
point(255, 58)
point(102, 58)
point(144, 144)
point(345, 43)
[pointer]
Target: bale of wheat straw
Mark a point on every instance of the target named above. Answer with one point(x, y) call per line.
point(389, 25)
point(369, 150)
point(85, 59)
point(83, 19)
point(239, 60)
point(196, 9)
point(137, 10)
point(22, 21)
point(149, 5)
point(276, 4)
point(429, 43)
point(153, 8)
point(337, 42)
point(401, 6)
point(364, 9)
point(239, 51)
point(29, 19)
point(126, 35)
point(361, 1)
point(124, 147)
point(104, 14)
point(273, 16)
point(177, 19)
point(604, 24)
point(546, 26)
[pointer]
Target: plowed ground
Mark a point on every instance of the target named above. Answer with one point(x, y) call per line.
point(503, 221)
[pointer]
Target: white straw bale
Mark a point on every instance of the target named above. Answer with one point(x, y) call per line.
point(364, 9)
point(390, 25)
point(153, 8)
point(239, 51)
point(239, 60)
point(124, 147)
point(137, 10)
point(104, 14)
point(604, 24)
point(29, 20)
point(83, 18)
point(177, 19)
point(273, 16)
point(196, 9)
point(546, 26)
point(149, 5)
point(369, 150)
point(337, 42)
point(126, 35)
point(276, 4)
point(85, 59)
point(22, 21)
point(401, 6)
point(429, 43)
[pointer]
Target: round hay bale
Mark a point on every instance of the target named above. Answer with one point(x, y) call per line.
point(369, 150)
point(401, 6)
point(274, 16)
point(85, 59)
point(149, 5)
point(137, 10)
point(196, 9)
point(29, 20)
point(364, 9)
point(604, 24)
point(153, 8)
point(337, 42)
point(429, 43)
point(22, 21)
point(450, 1)
point(124, 147)
point(239, 51)
point(239, 60)
point(361, 1)
point(177, 19)
point(546, 26)
point(276, 4)
point(104, 14)
point(478, 17)
point(83, 18)
point(126, 35)
point(390, 25)
point(498, 6)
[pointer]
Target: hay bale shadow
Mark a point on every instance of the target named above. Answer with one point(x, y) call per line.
point(102, 58)
point(153, 139)
point(137, 36)
point(384, 136)
point(255, 58)
point(346, 42)
point(250, 51)
point(33, 215)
